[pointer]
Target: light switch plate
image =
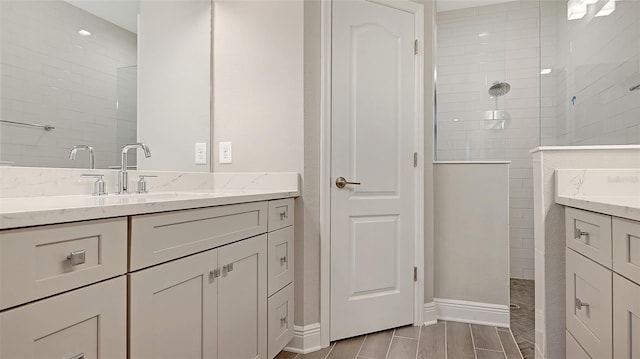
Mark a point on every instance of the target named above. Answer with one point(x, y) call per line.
point(225, 152)
point(201, 153)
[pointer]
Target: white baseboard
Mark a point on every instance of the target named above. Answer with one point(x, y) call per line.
point(472, 312)
point(430, 315)
point(305, 340)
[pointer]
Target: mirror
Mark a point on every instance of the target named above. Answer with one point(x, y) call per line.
point(104, 73)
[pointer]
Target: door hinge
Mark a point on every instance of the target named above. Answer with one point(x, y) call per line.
point(415, 274)
point(415, 159)
point(415, 47)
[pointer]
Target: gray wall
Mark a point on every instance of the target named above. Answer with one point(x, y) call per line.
point(472, 232)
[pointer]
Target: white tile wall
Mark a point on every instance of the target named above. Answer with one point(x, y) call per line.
point(476, 47)
point(597, 60)
point(53, 75)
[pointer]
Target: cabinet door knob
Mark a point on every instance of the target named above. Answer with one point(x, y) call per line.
point(283, 215)
point(283, 321)
point(283, 260)
point(580, 304)
point(215, 273)
point(76, 258)
point(579, 233)
point(228, 267)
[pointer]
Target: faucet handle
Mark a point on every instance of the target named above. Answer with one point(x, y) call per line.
point(99, 187)
point(142, 184)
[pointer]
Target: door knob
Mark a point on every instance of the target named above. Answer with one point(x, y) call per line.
point(341, 182)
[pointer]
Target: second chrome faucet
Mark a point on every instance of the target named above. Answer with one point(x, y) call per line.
point(123, 178)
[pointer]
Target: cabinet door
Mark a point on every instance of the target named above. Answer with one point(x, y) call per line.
point(589, 305)
point(626, 318)
point(280, 252)
point(173, 309)
point(626, 248)
point(86, 323)
point(242, 299)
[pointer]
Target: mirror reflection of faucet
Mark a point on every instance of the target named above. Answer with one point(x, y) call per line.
point(92, 154)
point(123, 186)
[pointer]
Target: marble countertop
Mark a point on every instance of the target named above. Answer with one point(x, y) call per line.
point(31, 211)
point(614, 192)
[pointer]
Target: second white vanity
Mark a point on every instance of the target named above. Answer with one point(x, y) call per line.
point(207, 276)
point(602, 225)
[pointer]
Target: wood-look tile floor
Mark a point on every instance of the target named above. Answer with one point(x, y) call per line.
point(444, 340)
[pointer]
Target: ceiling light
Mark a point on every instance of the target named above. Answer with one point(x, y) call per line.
point(84, 32)
point(607, 9)
point(545, 71)
point(483, 34)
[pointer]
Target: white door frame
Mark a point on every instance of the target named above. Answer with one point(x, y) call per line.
point(325, 161)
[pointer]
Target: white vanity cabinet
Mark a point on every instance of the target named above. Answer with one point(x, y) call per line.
point(602, 288)
point(208, 305)
point(57, 297)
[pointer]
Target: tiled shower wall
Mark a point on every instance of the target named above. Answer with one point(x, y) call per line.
point(475, 48)
point(594, 61)
point(53, 75)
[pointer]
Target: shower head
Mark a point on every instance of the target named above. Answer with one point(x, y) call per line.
point(499, 89)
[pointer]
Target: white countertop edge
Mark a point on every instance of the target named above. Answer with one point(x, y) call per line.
point(470, 162)
point(594, 147)
point(21, 219)
point(594, 205)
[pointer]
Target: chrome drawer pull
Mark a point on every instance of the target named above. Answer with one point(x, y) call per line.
point(579, 233)
point(283, 260)
point(580, 304)
point(228, 267)
point(283, 321)
point(215, 273)
point(76, 258)
point(77, 356)
point(283, 215)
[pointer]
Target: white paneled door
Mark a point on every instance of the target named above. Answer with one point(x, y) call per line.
point(373, 131)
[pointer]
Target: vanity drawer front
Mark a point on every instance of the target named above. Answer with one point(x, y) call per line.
point(280, 213)
point(590, 284)
point(41, 261)
point(89, 322)
point(280, 254)
point(626, 248)
point(590, 234)
point(161, 237)
point(280, 318)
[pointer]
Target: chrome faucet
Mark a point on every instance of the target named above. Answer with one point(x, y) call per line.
point(123, 186)
point(92, 154)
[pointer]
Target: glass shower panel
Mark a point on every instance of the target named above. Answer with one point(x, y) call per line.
point(471, 58)
point(590, 72)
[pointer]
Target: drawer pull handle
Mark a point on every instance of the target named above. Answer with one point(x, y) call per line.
point(283, 215)
point(283, 321)
point(76, 258)
point(77, 356)
point(579, 233)
point(283, 260)
point(228, 268)
point(215, 273)
point(580, 304)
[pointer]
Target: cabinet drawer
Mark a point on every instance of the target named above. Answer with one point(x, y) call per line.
point(590, 234)
point(589, 283)
point(626, 318)
point(626, 248)
point(574, 350)
point(280, 213)
point(41, 261)
point(157, 238)
point(280, 254)
point(90, 322)
point(280, 318)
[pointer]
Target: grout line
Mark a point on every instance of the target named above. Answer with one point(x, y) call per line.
point(400, 336)
point(330, 350)
point(361, 345)
point(418, 346)
point(491, 350)
point(390, 342)
point(517, 346)
point(501, 345)
point(473, 342)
